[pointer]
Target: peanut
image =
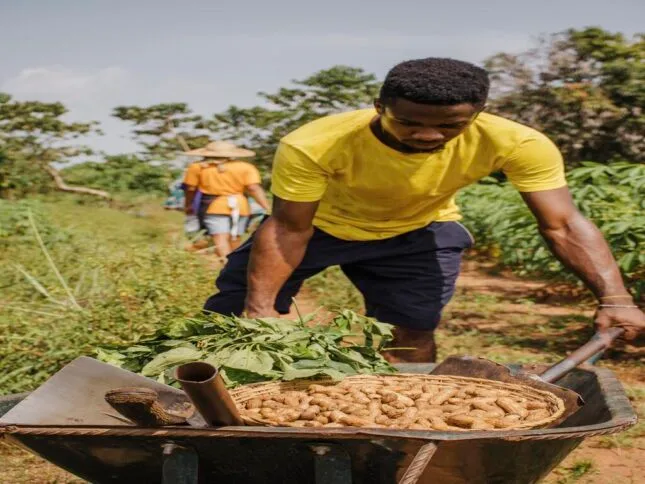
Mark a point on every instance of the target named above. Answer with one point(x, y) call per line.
point(354, 421)
point(268, 413)
point(463, 421)
point(538, 414)
point(321, 419)
point(438, 423)
point(313, 423)
point(492, 410)
point(443, 396)
point(271, 404)
point(479, 424)
point(310, 413)
point(291, 401)
point(337, 416)
point(382, 420)
point(532, 405)
point(254, 403)
point(288, 415)
point(359, 397)
point(512, 407)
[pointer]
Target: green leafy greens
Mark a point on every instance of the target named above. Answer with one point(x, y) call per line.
point(252, 350)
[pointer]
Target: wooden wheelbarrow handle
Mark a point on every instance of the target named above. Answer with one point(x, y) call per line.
point(421, 460)
point(598, 343)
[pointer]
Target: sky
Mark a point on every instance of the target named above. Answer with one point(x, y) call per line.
point(93, 55)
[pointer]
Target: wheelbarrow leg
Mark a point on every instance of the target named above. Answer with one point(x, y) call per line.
point(179, 465)
point(332, 465)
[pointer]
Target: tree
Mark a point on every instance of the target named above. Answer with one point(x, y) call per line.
point(583, 88)
point(122, 173)
point(32, 137)
point(163, 130)
point(328, 91)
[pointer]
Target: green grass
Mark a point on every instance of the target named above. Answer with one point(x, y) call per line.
point(125, 272)
point(576, 472)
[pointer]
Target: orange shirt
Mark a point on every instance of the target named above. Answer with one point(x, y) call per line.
point(230, 178)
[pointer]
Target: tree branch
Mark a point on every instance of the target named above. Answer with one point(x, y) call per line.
point(61, 185)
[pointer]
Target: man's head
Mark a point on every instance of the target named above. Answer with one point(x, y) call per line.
point(425, 103)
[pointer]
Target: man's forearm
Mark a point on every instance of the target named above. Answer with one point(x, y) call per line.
point(580, 246)
point(277, 251)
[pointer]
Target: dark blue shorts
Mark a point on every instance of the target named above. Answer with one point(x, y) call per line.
point(406, 280)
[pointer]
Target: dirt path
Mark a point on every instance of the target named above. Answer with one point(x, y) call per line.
point(593, 462)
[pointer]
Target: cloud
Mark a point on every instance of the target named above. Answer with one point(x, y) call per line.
point(65, 84)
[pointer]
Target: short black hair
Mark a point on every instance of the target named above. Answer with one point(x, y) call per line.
point(436, 80)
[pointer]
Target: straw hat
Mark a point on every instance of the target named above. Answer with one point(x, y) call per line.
point(221, 149)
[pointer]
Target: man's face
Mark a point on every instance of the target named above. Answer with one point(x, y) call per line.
point(424, 128)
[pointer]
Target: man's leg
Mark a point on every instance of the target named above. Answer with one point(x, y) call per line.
point(410, 283)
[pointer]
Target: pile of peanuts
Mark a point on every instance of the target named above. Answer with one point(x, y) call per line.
point(397, 405)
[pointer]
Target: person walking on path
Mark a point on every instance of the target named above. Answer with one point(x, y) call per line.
point(215, 192)
point(373, 191)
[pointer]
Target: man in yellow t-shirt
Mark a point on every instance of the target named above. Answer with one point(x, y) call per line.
point(222, 182)
point(374, 191)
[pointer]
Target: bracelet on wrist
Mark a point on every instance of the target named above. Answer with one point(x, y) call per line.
point(625, 306)
point(622, 296)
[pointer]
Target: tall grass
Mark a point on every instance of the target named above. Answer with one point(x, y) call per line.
point(74, 277)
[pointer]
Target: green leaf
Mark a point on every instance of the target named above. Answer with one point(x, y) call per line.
point(294, 374)
point(170, 358)
point(259, 362)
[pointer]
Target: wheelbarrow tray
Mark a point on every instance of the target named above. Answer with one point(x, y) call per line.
point(295, 455)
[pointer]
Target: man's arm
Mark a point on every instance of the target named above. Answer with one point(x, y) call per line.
point(580, 246)
point(278, 248)
point(257, 192)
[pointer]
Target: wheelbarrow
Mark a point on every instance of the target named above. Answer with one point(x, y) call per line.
point(118, 452)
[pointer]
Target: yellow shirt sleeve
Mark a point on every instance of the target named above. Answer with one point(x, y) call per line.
point(536, 164)
point(296, 177)
point(191, 177)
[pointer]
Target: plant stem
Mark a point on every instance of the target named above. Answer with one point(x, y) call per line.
point(72, 299)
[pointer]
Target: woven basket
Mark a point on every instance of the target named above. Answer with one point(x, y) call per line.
point(555, 405)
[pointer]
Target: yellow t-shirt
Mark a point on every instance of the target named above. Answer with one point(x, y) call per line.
point(231, 178)
point(369, 191)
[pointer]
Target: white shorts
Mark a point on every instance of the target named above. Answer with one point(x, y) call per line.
point(221, 224)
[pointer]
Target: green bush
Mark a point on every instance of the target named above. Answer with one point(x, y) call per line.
point(612, 196)
point(122, 173)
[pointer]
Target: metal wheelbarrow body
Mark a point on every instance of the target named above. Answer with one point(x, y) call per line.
point(121, 453)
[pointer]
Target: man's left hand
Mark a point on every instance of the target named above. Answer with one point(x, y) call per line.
point(632, 320)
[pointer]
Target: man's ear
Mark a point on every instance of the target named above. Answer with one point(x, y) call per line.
point(378, 105)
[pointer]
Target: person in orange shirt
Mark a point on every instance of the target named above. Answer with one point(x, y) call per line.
point(221, 181)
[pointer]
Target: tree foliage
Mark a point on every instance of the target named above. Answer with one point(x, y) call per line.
point(333, 90)
point(33, 135)
point(122, 173)
point(161, 128)
point(583, 88)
